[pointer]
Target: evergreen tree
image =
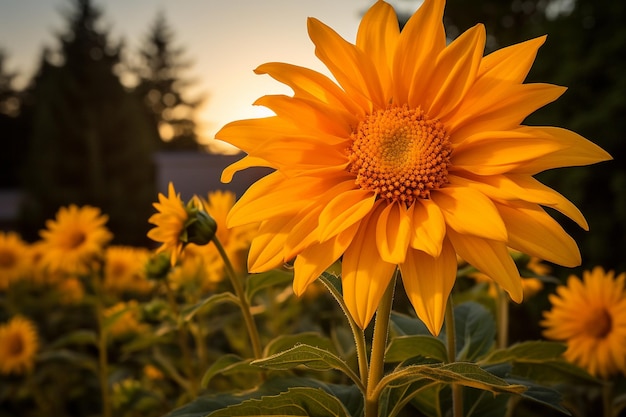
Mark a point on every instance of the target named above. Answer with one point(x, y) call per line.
point(11, 148)
point(90, 142)
point(161, 88)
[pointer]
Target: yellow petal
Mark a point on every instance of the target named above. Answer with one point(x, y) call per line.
point(266, 249)
point(470, 212)
point(521, 187)
point(492, 258)
point(310, 115)
point(428, 227)
point(309, 84)
point(365, 276)
point(352, 69)
point(347, 208)
point(393, 233)
point(314, 260)
point(490, 153)
point(533, 231)
point(377, 36)
point(245, 162)
point(503, 108)
point(455, 72)
point(576, 150)
point(422, 38)
point(511, 63)
point(428, 281)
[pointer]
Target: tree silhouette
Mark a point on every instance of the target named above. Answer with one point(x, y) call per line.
point(89, 141)
point(12, 148)
point(161, 88)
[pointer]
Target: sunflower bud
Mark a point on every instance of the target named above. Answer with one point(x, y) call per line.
point(158, 266)
point(200, 227)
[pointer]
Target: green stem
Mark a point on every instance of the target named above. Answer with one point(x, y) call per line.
point(194, 385)
point(607, 399)
point(457, 392)
point(502, 318)
point(103, 360)
point(245, 306)
point(379, 344)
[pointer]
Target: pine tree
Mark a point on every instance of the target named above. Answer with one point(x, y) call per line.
point(161, 88)
point(90, 142)
point(11, 148)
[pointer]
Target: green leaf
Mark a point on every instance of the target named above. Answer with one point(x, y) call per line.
point(74, 358)
point(301, 401)
point(227, 364)
point(426, 392)
point(404, 347)
point(257, 282)
point(403, 325)
point(285, 342)
point(351, 398)
point(475, 331)
point(189, 311)
point(310, 357)
point(78, 337)
point(462, 373)
point(540, 361)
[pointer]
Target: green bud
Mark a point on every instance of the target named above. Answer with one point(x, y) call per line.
point(200, 227)
point(158, 266)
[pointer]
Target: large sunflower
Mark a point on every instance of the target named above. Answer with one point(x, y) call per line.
point(415, 155)
point(589, 315)
point(18, 346)
point(74, 239)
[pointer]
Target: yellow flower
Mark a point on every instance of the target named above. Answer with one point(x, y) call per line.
point(72, 241)
point(416, 155)
point(589, 315)
point(14, 258)
point(70, 290)
point(18, 346)
point(124, 319)
point(152, 372)
point(124, 270)
point(170, 223)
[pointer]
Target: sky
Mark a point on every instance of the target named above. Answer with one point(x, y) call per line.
point(224, 39)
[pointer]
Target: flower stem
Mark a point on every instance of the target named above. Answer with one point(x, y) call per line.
point(182, 329)
point(253, 332)
point(502, 318)
point(379, 344)
point(607, 399)
point(103, 361)
point(457, 393)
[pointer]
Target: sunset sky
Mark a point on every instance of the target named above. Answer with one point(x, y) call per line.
point(225, 39)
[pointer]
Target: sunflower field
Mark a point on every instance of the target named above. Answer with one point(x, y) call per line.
point(397, 261)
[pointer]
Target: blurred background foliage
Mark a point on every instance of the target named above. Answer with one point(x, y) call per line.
point(77, 133)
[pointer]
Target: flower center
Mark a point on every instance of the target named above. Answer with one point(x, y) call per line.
point(15, 346)
point(599, 324)
point(400, 154)
point(75, 239)
point(7, 259)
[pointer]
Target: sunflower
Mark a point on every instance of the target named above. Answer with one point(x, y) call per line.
point(123, 319)
point(589, 315)
point(14, 258)
point(18, 346)
point(72, 241)
point(170, 223)
point(124, 270)
point(414, 155)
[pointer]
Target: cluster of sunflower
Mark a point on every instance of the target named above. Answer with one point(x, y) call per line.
point(86, 322)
